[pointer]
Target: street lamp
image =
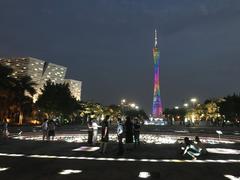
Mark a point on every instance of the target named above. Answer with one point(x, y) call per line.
point(193, 100)
point(176, 107)
point(185, 105)
point(133, 105)
point(123, 101)
point(137, 107)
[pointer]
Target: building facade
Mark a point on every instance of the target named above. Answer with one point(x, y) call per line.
point(40, 72)
point(75, 88)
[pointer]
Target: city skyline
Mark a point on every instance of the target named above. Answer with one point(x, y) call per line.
point(112, 54)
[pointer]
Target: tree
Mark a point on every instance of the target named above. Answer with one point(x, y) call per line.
point(56, 100)
point(15, 94)
point(24, 91)
point(175, 114)
point(230, 108)
point(7, 84)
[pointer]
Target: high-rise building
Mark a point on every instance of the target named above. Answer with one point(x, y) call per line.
point(157, 103)
point(25, 67)
point(39, 70)
point(75, 88)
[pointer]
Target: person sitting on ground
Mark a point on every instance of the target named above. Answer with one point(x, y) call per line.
point(200, 145)
point(191, 149)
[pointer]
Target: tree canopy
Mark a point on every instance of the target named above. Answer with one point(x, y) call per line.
point(56, 99)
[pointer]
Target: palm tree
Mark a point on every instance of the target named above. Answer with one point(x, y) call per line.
point(24, 91)
point(6, 85)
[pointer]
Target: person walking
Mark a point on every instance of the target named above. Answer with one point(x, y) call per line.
point(90, 131)
point(45, 129)
point(136, 132)
point(105, 131)
point(129, 131)
point(120, 137)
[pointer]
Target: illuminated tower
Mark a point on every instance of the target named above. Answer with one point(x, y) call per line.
point(157, 103)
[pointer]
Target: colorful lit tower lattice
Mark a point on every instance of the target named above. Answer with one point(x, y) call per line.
point(157, 103)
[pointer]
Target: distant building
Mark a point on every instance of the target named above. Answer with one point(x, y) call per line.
point(25, 67)
point(75, 88)
point(40, 72)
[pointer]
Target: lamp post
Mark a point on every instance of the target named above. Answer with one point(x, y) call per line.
point(123, 101)
point(176, 107)
point(193, 100)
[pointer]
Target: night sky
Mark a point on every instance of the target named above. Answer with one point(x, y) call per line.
point(108, 45)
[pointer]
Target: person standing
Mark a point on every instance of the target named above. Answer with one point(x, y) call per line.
point(5, 129)
point(95, 132)
point(120, 137)
point(90, 131)
point(105, 131)
point(129, 131)
point(45, 129)
point(136, 132)
point(51, 130)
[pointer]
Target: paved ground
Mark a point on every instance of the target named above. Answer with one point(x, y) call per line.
point(44, 160)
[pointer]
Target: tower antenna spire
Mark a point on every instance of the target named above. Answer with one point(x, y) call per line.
point(155, 43)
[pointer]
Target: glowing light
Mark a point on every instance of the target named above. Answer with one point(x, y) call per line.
point(133, 105)
point(130, 160)
point(70, 171)
point(185, 105)
point(157, 103)
point(11, 155)
point(144, 175)
point(223, 151)
point(193, 100)
point(3, 169)
point(87, 149)
point(176, 107)
point(219, 132)
point(145, 138)
point(232, 177)
point(123, 101)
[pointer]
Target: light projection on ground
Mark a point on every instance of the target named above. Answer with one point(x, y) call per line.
point(70, 171)
point(87, 148)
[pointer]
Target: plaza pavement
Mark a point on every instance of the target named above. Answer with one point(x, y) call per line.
point(44, 160)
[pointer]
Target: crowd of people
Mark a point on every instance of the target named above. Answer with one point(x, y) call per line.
point(130, 130)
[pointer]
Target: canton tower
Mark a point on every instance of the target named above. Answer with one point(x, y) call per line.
point(157, 103)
